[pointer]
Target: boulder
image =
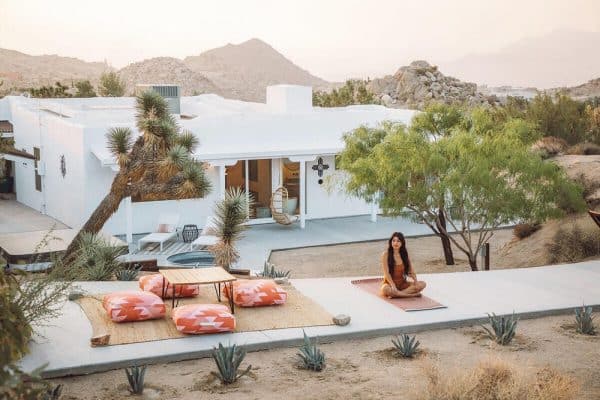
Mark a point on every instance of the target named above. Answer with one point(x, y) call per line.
point(341, 319)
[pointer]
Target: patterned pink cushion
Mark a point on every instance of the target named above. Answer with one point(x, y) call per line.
point(133, 306)
point(256, 292)
point(154, 283)
point(203, 318)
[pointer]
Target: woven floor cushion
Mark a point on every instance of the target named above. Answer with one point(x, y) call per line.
point(203, 318)
point(154, 283)
point(133, 306)
point(256, 292)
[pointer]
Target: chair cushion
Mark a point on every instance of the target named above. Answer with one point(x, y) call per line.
point(133, 306)
point(154, 283)
point(203, 318)
point(256, 292)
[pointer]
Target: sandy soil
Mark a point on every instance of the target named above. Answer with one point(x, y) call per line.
point(363, 369)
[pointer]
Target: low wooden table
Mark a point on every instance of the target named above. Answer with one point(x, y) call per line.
point(200, 276)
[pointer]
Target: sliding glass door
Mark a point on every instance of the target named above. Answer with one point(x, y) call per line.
point(254, 177)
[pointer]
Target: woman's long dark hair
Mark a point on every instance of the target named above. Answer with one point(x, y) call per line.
point(403, 254)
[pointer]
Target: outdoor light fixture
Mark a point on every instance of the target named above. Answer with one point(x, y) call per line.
point(63, 165)
point(320, 167)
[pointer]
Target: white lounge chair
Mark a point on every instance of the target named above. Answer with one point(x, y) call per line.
point(166, 230)
point(207, 237)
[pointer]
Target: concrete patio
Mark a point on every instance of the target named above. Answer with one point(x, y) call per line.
point(529, 292)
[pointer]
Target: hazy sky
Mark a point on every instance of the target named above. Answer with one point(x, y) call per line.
point(332, 39)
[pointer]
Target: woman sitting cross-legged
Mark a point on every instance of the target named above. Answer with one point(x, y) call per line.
point(396, 268)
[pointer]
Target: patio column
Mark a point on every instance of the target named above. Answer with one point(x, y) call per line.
point(222, 171)
point(373, 211)
point(302, 194)
point(128, 220)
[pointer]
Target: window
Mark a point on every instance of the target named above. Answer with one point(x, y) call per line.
point(38, 177)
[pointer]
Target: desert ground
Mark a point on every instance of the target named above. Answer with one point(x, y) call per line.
point(368, 368)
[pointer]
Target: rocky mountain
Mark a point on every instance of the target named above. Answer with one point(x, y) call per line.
point(246, 69)
point(167, 70)
point(21, 70)
point(417, 84)
point(559, 58)
point(585, 91)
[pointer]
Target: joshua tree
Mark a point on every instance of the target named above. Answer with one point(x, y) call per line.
point(230, 214)
point(157, 166)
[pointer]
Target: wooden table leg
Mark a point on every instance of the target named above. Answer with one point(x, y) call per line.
point(231, 303)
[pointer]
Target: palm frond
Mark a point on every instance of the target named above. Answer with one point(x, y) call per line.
point(119, 144)
point(176, 159)
point(188, 140)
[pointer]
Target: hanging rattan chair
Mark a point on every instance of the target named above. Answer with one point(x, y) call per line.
point(278, 202)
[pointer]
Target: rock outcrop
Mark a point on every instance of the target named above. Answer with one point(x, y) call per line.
point(167, 70)
point(419, 83)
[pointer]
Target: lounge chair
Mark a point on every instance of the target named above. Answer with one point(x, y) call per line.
point(166, 230)
point(207, 236)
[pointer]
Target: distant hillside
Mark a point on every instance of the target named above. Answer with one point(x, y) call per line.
point(246, 69)
point(167, 70)
point(560, 58)
point(585, 91)
point(415, 85)
point(22, 70)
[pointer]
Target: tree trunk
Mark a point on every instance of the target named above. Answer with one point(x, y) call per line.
point(107, 207)
point(473, 262)
point(446, 245)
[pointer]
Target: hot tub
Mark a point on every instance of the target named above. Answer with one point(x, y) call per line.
point(200, 258)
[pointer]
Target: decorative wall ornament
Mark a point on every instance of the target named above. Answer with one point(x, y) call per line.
point(63, 166)
point(320, 167)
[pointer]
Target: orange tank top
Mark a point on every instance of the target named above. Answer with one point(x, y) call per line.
point(398, 275)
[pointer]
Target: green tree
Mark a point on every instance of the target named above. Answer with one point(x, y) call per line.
point(84, 89)
point(560, 116)
point(111, 85)
point(354, 91)
point(484, 178)
point(157, 166)
point(58, 90)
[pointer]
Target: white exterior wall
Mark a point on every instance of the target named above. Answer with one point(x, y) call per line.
point(5, 109)
point(322, 204)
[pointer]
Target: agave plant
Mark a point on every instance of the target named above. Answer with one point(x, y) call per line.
point(228, 360)
point(405, 345)
point(312, 357)
point(135, 377)
point(53, 393)
point(230, 215)
point(128, 274)
point(585, 321)
point(503, 328)
point(269, 271)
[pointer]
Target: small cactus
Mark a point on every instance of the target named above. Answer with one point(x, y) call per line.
point(269, 271)
point(127, 274)
point(228, 360)
point(135, 376)
point(406, 346)
point(312, 357)
point(503, 328)
point(585, 321)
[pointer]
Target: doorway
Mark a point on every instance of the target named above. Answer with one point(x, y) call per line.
point(253, 177)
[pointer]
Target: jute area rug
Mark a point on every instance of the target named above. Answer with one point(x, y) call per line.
point(373, 286)
point(298, 311)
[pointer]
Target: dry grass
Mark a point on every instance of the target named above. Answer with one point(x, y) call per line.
point(549, 146)
point(497, 380)
point(575, 242)
point(522, 231)
point(584, 149)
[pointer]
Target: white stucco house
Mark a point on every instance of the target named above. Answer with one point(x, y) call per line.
point(64, 169)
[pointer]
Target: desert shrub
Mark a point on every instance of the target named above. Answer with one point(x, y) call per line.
point(584, 321)
point(406, 346)
point(584, 149)
point(569, 197)
point(526, 229)
point(135, 378)
point(503, 328)
point(497, 380)
point(128, 274)
point(270, 271)
point(574, 242)
point(228, 360)
point(16, 384)
point(312, 357)
point(95, 260)
point(549, 146)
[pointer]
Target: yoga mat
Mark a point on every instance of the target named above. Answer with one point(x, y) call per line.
point(373, 286)
point(298, 311)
